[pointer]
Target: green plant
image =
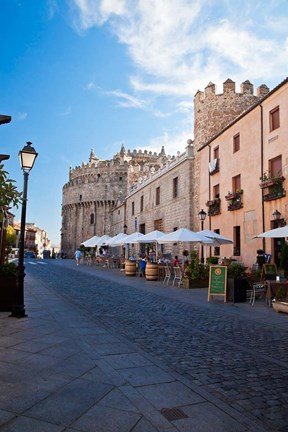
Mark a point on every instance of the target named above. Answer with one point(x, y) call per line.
point(212, 260)
point(284, 257)
point(195, 270)
point(8, 269)
point(236, 271)
point(9, 196)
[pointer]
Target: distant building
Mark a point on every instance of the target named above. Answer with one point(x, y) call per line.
point(36, 239)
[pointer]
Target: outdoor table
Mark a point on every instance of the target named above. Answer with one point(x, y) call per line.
point(272, 289)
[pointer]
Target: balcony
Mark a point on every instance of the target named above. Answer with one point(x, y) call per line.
point(214, 207)
point(235, 200)
point(273, 192)
point(272, 187)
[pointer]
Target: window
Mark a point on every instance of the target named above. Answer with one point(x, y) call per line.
point(158, 224)
point(142, 203)
point(216, 191)
point(237, 243)
point(275, 166)
point(216, 152)
point(274, 119)
point(92, 219)
point(236, 183)
point(236, 143)
point(175, 187)
point(158, 195)
point(132, 208)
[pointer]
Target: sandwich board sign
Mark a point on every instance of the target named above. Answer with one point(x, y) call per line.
point(217, 281)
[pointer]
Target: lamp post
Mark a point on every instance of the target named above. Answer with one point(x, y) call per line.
point(276, 215)
point(27, 158)
point(202, 216)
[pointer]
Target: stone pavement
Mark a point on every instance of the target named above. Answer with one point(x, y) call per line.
point(60, 370)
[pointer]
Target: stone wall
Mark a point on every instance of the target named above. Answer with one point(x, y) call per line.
point(93, 190)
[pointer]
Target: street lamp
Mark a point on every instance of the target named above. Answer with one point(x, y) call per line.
point(202, 216)
point(276, 215)
point(27, 158)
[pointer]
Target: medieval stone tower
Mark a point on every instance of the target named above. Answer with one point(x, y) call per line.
point(213, 112)
point(93, 189)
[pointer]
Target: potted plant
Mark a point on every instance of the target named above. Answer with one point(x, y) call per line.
point(195, 273)
point(8, 284)
point(237, 283)
point(284, 258)
point(280, 303)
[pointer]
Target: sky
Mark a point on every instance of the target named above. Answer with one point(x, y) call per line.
point(83, 74)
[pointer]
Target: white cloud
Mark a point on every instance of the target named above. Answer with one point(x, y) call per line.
point(126, 100)
point(178, 46)
point(171, 142)
point(91, 86)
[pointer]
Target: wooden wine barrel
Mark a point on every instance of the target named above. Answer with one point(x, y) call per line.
point(130, 268)
point(151, 271)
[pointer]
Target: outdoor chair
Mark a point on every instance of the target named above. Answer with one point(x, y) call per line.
point(258, 290)
point(177, 276)
point(167, 275)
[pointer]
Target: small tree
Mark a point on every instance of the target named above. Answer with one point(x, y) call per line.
point(9, 197)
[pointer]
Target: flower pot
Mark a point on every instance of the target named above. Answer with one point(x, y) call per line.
point(280, 306)
point(8, 291)
point(195, 283)
point(236, 290)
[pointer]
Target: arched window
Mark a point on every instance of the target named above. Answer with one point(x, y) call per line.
point(92, 219)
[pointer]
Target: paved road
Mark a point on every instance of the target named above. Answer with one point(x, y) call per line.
point(227, 352)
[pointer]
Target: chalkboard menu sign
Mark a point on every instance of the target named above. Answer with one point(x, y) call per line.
point(217, 281)
point(270, 268)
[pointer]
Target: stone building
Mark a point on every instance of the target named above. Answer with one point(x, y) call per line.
point(93, 190)
point(103, 196)
point(163, 200)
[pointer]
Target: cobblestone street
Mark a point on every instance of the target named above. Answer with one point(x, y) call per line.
point(238, 360)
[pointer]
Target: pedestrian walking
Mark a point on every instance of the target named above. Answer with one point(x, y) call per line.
point(78, 256)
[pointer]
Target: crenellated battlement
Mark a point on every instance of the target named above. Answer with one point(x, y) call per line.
point(212, 112)
point(229, 87)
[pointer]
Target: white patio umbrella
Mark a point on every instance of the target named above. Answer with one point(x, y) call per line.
point(181, 235)
point(113, 241)
point(275, 233)
point(215, 238)
point(102, 241)
point(151, 237)
point(132, 238)
point(91, 242)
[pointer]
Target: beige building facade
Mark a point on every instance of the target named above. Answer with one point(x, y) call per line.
point(244, 177)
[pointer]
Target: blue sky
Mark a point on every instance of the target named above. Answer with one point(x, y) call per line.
point(82, 74)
